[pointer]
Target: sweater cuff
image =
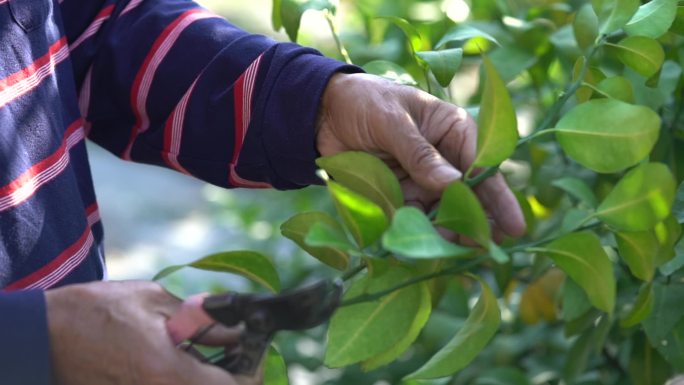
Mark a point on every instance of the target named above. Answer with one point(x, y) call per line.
point(290, 139)
point(25, 350)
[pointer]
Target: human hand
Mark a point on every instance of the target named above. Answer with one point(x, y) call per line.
point(427, 142)
point(115, 333)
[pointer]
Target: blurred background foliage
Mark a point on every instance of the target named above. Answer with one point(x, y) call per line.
point(536, 58)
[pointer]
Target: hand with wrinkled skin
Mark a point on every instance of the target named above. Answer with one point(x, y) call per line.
point(108, 333)
point(427, 142)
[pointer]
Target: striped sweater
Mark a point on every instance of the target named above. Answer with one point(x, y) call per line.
point(163, 82)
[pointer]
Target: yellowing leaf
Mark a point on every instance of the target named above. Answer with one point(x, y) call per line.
point(538, 300)
point(498, 126)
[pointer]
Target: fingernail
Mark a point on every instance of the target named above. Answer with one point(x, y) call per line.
point(446, 174)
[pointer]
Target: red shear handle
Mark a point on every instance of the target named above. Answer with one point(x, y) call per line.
point(189, 320)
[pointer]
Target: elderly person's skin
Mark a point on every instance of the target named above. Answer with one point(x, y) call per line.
point(114, 333)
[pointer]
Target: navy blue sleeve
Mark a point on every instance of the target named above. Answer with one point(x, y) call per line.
point(172, 84)
point(24, 340)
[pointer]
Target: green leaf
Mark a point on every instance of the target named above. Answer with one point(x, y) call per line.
point(607, 135)
point(585, 26)
point(481, 325)
point(641, 308)
point(641, 199)
point(574, 219)
point(667, 312)
point(460, 211)
point(678, 24)
point(638, 249)
point(653, 19)
point(365, 330)
point(390, 71)
point(411, 33)
point(275, 370)
point(672, 347)
point(365, 220)
point(249, 264)
point(443, 64)
point(575, 301)
point(366, 175)
point(678, 207)
point(498, 127)
point(412, 235)
point(621, 12)
point(668, 232)
point(502, 376)
point(582, 257)
point(323, 235)
point(511, 61)
point(276, 21)
point(462, 33)
point(291, 12)
point(498, 254)
point(422, 314)
point(646, 365)
point(581, 350)
point(297, 228)
point(675, 263)
point(642, 54)
point(576, 188)
point(617, 87)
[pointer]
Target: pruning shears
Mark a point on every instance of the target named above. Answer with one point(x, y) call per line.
point(259, 315)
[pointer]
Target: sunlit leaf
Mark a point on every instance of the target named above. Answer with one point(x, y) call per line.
point(365, 220)
point(653, 19)
point(412, 235)
point(367, 175)
point(585, 26)
point(249, 264)
point(638, 249)
point(642, 54)
point(641, 199)
point(362, 331)
point(667, 232)
point(481, 325)
point(607, 135)
point(642, 307)
point(460, 211)
point(275, 370)
point(390, 71)
point(443, 64)
point(422, 314)
point(276, 20)
point(498, 126)
point(576, 188)
point(621, 11)
point(617, 87)
point(582, 257)
point(462, 33)
point(297, 228)
point(411, 33)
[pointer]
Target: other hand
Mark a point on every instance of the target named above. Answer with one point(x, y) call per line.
point(115, 333)
point(427, 142)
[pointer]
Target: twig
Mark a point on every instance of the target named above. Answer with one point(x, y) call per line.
point(333, 29)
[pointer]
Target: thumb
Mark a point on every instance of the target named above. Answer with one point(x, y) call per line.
point(423, 162)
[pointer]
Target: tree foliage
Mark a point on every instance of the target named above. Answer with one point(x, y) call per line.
point(590, 295)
